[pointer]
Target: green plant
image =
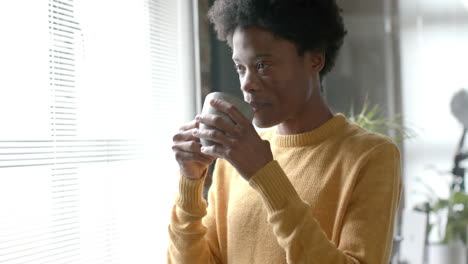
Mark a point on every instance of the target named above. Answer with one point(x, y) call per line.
point(448, 216)
point(372, 119)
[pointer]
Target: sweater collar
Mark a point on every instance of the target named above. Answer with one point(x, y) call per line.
point(312, 137)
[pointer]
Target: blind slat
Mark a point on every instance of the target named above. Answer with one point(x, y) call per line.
point(74, 164)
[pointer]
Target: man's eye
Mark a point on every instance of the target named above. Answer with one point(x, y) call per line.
point(261, 66)
point(239, 68)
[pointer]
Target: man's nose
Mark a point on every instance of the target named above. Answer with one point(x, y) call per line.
point(250, 82)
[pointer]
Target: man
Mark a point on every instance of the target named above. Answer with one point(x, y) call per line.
point(314, 189)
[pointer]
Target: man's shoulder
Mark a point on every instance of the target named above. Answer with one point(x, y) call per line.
point(361, 141)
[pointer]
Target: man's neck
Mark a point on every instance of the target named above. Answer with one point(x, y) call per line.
point(315, 115)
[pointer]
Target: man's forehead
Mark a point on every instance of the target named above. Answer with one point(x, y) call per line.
point(254, 57)
point(252, 36)
point(252, 45)
point(254, 42)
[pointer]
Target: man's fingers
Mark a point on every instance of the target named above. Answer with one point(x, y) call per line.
point(190, 151)
point(216, 121)
point(230, 110)
point(187, 146)
point(214, 135)
point(182, 156)
point(185, 135)
point(187, 126)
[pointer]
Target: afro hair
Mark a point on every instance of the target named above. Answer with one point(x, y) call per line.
point(312, 25)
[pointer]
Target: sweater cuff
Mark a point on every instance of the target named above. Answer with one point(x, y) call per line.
point(190, 195)
point(274, 186)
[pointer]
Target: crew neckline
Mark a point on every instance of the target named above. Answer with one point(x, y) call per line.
point(312, 137)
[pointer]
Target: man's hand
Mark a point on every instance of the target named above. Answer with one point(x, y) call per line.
point(237, 143)
point(186, 147)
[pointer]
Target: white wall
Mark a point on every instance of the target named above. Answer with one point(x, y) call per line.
point(434, 57)
point(434, 63)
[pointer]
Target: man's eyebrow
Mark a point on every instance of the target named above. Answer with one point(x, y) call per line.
point(256, 56)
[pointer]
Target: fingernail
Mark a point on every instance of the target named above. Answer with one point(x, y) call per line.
point(195, 132)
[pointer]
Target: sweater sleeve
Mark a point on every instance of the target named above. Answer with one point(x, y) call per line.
point(367, 229)
point(189, 237)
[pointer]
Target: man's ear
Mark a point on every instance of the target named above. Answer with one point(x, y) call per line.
point(315, 61)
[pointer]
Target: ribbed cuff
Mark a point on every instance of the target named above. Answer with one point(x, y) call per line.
point(274, 186)
point(190, 195)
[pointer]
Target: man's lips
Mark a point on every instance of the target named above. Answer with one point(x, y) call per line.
point(258, 105)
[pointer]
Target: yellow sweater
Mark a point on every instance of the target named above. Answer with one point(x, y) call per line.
point(329, 197)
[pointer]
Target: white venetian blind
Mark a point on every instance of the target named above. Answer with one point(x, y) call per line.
point(90, 95)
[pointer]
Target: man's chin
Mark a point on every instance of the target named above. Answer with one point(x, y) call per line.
point(262, 123)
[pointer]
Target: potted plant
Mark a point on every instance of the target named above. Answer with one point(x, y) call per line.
point(447, 222)
point(372, 119)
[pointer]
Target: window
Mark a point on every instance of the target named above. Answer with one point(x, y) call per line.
point(433, 40)
point(90, 96)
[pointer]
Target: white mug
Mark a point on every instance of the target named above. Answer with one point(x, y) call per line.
point(240, 104)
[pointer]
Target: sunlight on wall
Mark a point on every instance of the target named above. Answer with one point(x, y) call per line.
point(434, 59)
point(127, 103)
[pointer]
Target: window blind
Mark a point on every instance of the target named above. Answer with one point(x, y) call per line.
point(89, 99)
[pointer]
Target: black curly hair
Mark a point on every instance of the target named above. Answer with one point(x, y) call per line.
point(313, 25)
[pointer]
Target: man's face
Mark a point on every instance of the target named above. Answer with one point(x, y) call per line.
point(274, 78)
